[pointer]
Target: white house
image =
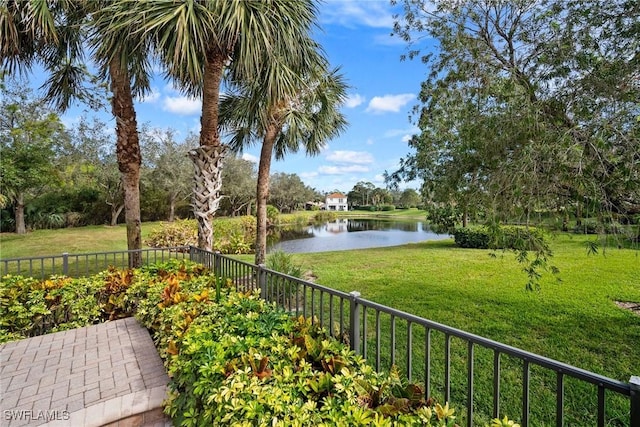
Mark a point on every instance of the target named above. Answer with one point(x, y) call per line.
point(336, 202)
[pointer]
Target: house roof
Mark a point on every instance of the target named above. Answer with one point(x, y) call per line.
point(336, 196)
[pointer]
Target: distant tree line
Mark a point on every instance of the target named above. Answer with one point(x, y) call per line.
point(52, 176)
point(365, 195)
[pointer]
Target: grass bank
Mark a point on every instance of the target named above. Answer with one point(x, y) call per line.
point(575, 320)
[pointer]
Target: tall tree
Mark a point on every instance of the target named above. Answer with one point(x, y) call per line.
point(56, 35)
point(198, 41)
point(287, 192)
point(409, 198)
point(29, 133)
point(169, 165)
point(306, 117)
point(238, 185)
point(361, 193)
point(529, 105)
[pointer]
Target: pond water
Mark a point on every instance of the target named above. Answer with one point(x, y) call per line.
point(345, 234)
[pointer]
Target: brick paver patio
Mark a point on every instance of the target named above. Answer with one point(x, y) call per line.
point(107, 374)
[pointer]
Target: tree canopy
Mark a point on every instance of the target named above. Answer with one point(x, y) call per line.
point(529, 106)
point(30, 134)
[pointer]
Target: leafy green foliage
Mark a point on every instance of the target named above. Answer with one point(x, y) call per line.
point(507, 237)
point(272, 214)
point(30, 307)
point(284, 263)
point(245, 361)
point(29, 136)
point(445, 217)
point(239, 359)
point(173, 234)
point(527, 106)
point(472, 237)
point(231, 236)
point(324, 216)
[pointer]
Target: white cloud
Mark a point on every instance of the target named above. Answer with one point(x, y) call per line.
point(183, 105)
point(250, 157)
point(357, 157)
point(406, 138)
point(354, 100)
point(369, 141)
point(342, 170)
point(308, 175)
point(378, 179)
point(375, 14)
point(392, 133)
point(151, 97)
point(171, 88)
point(389, 103)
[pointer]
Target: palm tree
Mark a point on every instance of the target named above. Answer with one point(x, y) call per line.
point(55, 35)
point(123, 57)
point(307, 117)
point(202, 41)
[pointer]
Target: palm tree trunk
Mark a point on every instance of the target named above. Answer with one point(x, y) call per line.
point(208, 162)
point(128, 154)
point(209, 156)
point(21, 227)
point(262, 193)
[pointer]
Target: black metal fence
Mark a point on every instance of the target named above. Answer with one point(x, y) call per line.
point(482, 378)
point(76, 265)
point(479, 376)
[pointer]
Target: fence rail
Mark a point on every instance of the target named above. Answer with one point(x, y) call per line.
point(76, 265)
point(477, 375)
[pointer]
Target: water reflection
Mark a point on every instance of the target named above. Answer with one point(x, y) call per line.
point(345, 234)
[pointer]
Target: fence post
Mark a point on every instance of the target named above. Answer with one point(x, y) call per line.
point(262, 281)
point(192, 253)
point(354, 322)
point(217, 264)
point(635, 400)
point(65, 264)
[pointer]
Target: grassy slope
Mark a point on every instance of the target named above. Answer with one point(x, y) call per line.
point(575, 321)
point(98, 238)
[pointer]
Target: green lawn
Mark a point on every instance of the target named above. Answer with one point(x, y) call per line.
point(97, 238)
point(575, 320)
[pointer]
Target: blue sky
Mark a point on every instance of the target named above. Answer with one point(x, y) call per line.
point(356, 36)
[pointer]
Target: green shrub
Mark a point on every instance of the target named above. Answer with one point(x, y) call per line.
point(230, 235)
point(325, 216)
point(503, 237)
point(472, 237)
point(272, 215)
point(283, 262)
point(387, 208)
point(445, 217)
point(171, 234)
point(31, 307)
point(247, 363)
